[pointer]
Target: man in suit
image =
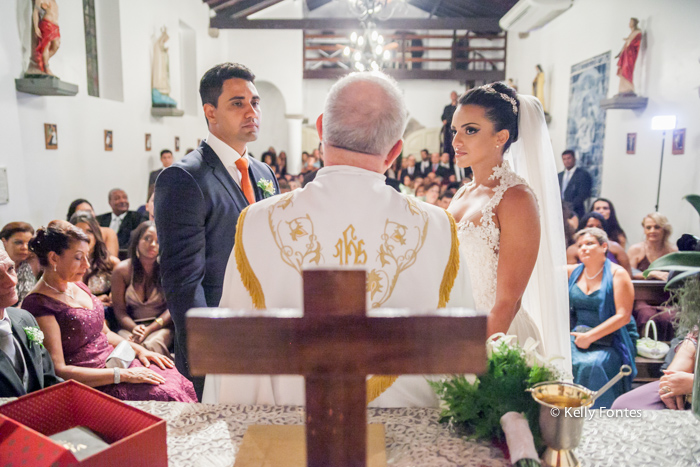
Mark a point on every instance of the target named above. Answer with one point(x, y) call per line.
point(574, 183)
point(121, 220)
point(425, 162)
point(166, 159)
point(444, 169)
point(199, 198)
point(411, 170)
point(25, 366)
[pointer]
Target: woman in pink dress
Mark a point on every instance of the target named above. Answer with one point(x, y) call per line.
point(75, 334)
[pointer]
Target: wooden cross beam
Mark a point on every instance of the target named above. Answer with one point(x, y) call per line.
point(335, 344)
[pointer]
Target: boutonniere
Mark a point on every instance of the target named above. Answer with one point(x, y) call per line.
point(267, 187)
point(34, 334)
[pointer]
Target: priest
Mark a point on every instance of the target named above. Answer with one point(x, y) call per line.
point(346, 217)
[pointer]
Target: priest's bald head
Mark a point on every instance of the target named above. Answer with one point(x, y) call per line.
point(363, 121)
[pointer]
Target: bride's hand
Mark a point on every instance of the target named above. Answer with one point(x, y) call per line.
point(581, 340)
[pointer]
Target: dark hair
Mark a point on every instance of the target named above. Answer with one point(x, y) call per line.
point(74, 205)
point(272, 155)
point(56, 237)
point(570, 151)
point(14, 227)
point(499, 111)
point(100, 258)
point(613, 228)
point(138, 274)
point(568, 213)
point(213, 80)
point(584, 220)
point(539, 67)
point(165, 151)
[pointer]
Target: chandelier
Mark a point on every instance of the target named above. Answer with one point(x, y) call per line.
point(369, 10)
point(367, 50)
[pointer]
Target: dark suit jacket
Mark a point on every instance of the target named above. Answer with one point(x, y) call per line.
point(39, 363)
point(444, 172)
point(130, 222)
point(197, 204)
point(425, 168)
point(578, 190)
point(404, 172)
point(153, 176)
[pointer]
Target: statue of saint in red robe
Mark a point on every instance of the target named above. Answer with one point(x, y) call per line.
point(628, 57)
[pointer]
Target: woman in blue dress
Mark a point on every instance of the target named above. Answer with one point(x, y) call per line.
point(601, 296)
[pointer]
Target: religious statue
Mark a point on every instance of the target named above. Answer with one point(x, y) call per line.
point(46, 38)
point(538, 86)
point(160, 87)
point(628, 57)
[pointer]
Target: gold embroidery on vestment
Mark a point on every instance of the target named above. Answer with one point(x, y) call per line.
point(347, 246)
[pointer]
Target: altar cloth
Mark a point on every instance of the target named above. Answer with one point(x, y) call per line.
point(204, 434)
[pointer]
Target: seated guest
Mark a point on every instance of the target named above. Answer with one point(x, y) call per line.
point(284, 185)
point(425, 160)
point(600, 297)
point(15, 240)
point(420, 192)
point(270, 159)
point(75, 333)
point(675, 387)
point(108, 235)
point(612, 226)
point(99, 274)
point(445, 199)
point(25, 366)
point(121, 220)
point(444, 169)
point(137, 295)
point(432, 193)
point(657, 231)
point(151, 208)
point(569, 227)
point(281, 167)
point(615, 252)
point(410, 170)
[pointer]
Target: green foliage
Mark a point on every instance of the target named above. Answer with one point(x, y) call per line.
point(687, 300)
point(476, 408)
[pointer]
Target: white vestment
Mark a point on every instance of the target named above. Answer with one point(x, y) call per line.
point(347, 217)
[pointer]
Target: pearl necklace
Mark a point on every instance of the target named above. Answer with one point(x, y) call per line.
point(67, 293)
point(595, 275)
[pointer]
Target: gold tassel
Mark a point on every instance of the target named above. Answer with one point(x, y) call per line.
point(248, 277)
point(376, 385)
point(452, 268)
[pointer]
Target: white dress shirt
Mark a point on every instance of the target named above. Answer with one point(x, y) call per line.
point(116, 221)
point(228, 156)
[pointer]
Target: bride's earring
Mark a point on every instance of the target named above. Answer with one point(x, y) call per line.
point(497, 146)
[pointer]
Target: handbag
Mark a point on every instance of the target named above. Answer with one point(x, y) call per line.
point(651, 348)
point(121, 357)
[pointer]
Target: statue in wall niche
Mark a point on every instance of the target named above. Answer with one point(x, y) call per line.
point(46, 37)
point(160, 87)
point(628, 58)
point(538, 86)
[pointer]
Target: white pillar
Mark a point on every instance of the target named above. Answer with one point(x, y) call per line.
point(294, 143)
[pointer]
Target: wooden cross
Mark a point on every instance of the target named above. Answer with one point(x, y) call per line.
point(335, 345)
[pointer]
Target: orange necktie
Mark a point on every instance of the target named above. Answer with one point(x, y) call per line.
point(246, 186)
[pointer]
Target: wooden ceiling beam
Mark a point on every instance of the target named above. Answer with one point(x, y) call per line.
point(337, 24)
point(244, 8)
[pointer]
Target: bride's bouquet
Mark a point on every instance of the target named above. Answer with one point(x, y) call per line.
point(475, 408)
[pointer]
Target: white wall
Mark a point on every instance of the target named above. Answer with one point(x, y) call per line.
point(43, 182)
point(667, 72)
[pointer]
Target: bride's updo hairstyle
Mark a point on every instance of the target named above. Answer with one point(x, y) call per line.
point(501, 105)
point(56, 237)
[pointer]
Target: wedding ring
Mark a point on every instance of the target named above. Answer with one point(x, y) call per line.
point(666, 389)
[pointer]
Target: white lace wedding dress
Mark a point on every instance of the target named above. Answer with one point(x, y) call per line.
point(480, 245)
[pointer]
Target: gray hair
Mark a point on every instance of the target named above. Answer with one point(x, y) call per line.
point(111, 192)
point(595, 232)
point(365, 124)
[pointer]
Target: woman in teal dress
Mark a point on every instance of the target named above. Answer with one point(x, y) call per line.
point(603, 339)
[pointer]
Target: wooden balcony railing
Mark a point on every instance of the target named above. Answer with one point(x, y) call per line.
point(459, 55)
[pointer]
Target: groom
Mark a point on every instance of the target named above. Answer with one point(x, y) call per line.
point(346, 217)
point(198, 199)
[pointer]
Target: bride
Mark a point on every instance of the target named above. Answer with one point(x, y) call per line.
point(510, 224)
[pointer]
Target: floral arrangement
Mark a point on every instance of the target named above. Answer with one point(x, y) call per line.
point(267, 187)
point(476, 408)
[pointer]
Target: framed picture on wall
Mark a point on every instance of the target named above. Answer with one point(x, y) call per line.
point(108, 140)
point(148, 142)
point(631, 143)
point(177, 144)
point(50, 136)
point(679, 141)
